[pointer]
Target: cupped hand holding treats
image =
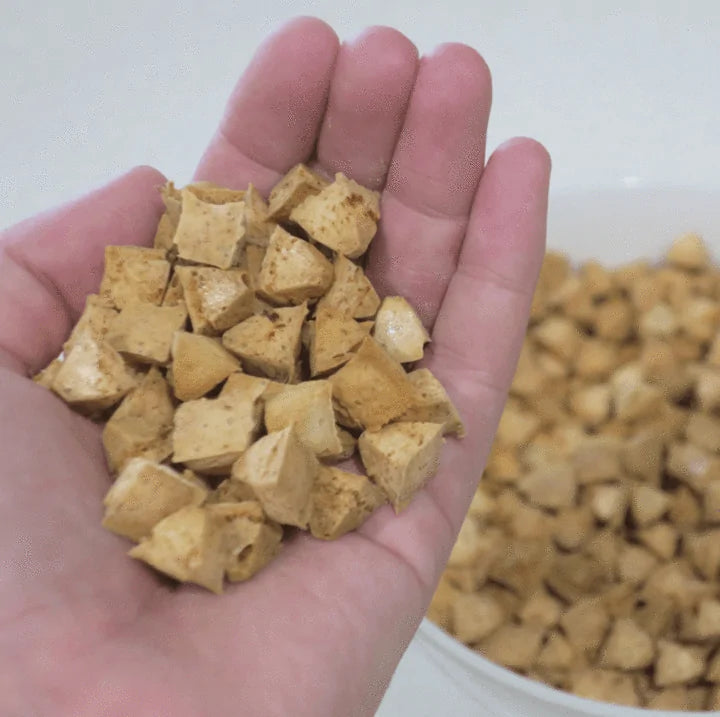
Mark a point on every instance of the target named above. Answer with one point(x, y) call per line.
point(86, 631)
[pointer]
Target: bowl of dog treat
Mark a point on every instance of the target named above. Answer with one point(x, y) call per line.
point(586, 577)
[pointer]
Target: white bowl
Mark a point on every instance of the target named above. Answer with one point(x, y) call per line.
point(440, 676)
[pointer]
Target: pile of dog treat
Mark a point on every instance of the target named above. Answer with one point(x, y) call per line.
point(590, 557)
point(236, 362)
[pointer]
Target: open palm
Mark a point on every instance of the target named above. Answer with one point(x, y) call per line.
point(84, 630)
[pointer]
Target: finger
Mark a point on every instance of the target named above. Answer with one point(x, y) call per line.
point(476, 340)
point(274, 113)
point(48, 264)
point(433, 177)
point(369, 93)
point(483, 319)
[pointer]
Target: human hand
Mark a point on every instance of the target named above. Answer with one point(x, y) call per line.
point(84, 630)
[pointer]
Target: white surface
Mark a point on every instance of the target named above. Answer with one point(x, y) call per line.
point(439, 676)
point(90, 88)
point(620, 97)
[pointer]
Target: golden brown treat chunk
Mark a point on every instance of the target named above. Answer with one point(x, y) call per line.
point(141, 425)
point(281, 473)
point(211, 434)
point(341, 502)
point(167, 226)
point(372, 388)
point(351, 291)
point(93, 376)
point(678, 664)
point(270, 342)
point(144, 332)
point(605, 686)
point(216, 299)
point(431, 404)
point(334, 337)
point(257, 227)
point(213, 193)
point(514, 646)
point(187, 546)
point(401, 458)
point(550, 486)
point(144, 493)
point(212, 234)
point(308, 406)
point(46, 377)
point(199, 363)
point(343, 216)
point(254, 256)
point(95, 321)
point(293, 189)
point(648, 504)
point(293, 270)
point(134, 274)
point(556, 654)
point(628, 647)
point(399, 331)
point(243, 386)
point(475, 616)
point(688, 252)
point(250, 540)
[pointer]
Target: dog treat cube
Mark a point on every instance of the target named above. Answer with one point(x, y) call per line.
point(144, 493)
point(215, 299)
point(372, 388)
point(257, 227)
point(144, 332)
point(250, 540)
point(334, 337)
point(628, 647)
point(399, 330)
point(678, 664)
point(211, 434)
point(199, 363)
point(475, 616)
point(341, 502)
point(212, 234)
point(254, 388)
point(431, 404)
point(269, 343)
point(134, 274)
point(214, 194)
point(281, 472)
point(93, 376)
point(309, 407)
point(167, 226)
point(351, 292)
point(514, 646)
point(142, 424)
point(293, 270)
point(186, 545)
point(293, 189)
point(46, 376)
point(401, 458)
point(254, 256)
point(343, 216)
point(688, 252)
point(605, 686)
point(95, 321)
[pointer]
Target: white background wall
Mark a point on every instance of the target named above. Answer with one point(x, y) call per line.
point(90, 88)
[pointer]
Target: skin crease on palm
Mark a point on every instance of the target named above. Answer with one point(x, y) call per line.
point(84, 630)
